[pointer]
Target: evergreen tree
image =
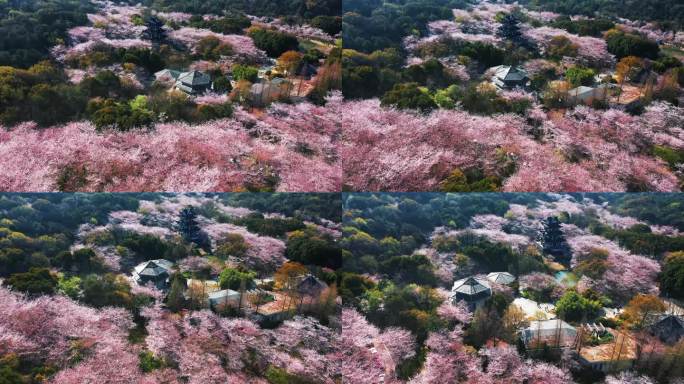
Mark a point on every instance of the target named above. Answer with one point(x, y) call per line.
point(553, 241)
point(510, 30)
point(188, 227)
point(155, 31)
point(175, 301)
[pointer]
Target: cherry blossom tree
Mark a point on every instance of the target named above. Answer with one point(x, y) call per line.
point(218, 155)
point(455, 312)
point(376, 141)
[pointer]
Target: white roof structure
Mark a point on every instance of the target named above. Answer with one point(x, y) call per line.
point(584, 93)
point(532, 309)
point(223, 296)
point(554, 333)
point(471, 286)
point(167, 75)
point(504, 278)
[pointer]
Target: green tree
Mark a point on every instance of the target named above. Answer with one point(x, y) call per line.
point(244, 72)
point(311, 247)
point(232, 278)
point(175, 301)
point(273, 42)
point(70, 286)
point(36, 281)
point(623, 44)
point(222, 84)
point(577, 76)
point(409, 96)
point(82, 260)
point(232, 244)
point(672, 275)
point(106, 290)
point(574, 307)
point(212, 48)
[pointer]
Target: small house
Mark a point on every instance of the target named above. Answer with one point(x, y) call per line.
point(269, 91)
point(155, 271)
point(586, 95)
point(192, 83)
point(223, 298)
point(503, 278)
point(311, 286)
point(554, 333)
point(473, 290)
point(617, 355)
point(509, 77)
point(668, 328)
point(168, 76)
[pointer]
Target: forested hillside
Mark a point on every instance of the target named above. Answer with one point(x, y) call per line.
point(668, 12)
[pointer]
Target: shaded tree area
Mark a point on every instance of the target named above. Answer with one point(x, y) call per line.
point(309, 246)
point(668, 12)
point(273, 42)
point(28, 29)
point(672, 275)
point(43, 94)
point(304, 9)
point(510, 31)
point(640, 240)
point(623, 44)
point(274, 227)
point(305, 206)
point(375, 25)
point(658, 208)
point(588, 27)
point(189, 228)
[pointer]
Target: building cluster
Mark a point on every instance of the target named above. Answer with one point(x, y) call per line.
point(597, 346)
point(260, 301)
point(270, 85)
point(603, 87)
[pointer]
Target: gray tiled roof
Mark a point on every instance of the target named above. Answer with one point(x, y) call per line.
point(501, 277)
point(471, 286)
point(153, 268)
point(194, 78)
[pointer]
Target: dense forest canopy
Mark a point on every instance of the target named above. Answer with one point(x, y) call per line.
point(28, 29)
point(668, 12)
point(115, 277)
point(306, 9)
point(375, 25)
point(403, 252)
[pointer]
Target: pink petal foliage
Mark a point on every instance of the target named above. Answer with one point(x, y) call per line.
point(455, 312)
point(211, 99)
point(176, 17)
point(538, 281)
point(55, 329)
point(264, 252)
point(391, 150)
point(628, 378)
point(627, 273)
point(211, 349)
point(369, 353)
point(242, 45)
point(448, 359)
point(593, 49)
point(303, 31)
point(220, 155)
